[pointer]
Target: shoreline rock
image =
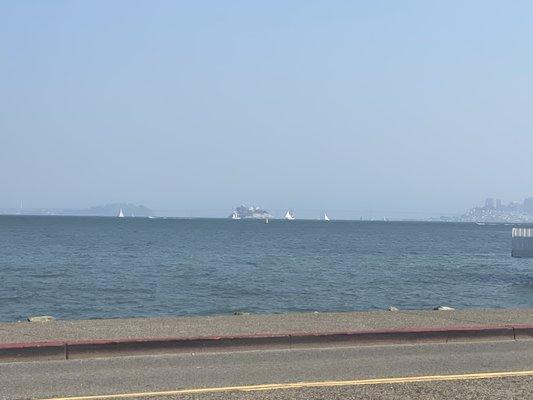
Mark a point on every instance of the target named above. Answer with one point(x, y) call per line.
point(41, 318)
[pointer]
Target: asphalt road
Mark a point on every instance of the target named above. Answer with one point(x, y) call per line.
point(323, 368)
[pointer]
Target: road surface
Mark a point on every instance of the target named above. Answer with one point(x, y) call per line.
point(343, 373)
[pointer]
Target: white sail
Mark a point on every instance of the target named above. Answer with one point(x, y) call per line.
point(235, 215)
point(326, 218)
point(121, 214)
point(289, 215)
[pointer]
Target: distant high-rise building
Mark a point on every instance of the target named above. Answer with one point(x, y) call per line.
point(515, 206)
point(489, 203)
point(528, 205)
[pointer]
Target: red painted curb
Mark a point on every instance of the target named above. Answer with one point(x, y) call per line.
point(33, 350)
point(131, 346)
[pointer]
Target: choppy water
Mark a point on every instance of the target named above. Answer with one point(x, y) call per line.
point(75, 268)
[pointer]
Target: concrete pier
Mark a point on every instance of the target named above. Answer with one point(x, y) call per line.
point(522, 242)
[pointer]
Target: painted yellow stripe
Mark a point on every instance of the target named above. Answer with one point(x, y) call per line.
point(300, 385)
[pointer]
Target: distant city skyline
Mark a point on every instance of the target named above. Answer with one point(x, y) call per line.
point(358, 108)
point(495, 210)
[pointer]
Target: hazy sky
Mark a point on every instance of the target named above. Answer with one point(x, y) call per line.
point(349, 106)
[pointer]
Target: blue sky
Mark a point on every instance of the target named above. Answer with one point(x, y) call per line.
point(385, 107)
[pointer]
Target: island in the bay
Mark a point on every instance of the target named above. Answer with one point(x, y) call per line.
point(243, 212)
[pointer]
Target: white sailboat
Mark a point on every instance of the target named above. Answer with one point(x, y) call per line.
point(235, 215)
point(121, 214)
point(326, 218)
point(289, 215)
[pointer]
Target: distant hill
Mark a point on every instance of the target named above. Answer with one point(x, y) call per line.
point(112, 210)
point(108, 210)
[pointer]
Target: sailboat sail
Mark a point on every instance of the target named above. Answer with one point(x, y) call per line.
point(326, 218)
point(121, 214)
point(289, 215)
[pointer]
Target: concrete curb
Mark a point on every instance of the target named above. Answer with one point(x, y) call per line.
point(79, 349)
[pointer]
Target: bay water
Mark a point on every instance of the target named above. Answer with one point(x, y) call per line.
point(89, 267)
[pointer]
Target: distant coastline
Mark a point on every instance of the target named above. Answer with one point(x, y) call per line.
point(107, 210)
point(492, 212)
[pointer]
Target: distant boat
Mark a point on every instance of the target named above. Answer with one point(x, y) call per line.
point(121, 214)
point(235, 215)
point(289, 216)
point(266, 220)
point(326, 218)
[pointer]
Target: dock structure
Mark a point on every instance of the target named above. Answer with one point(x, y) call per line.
point(522, 242)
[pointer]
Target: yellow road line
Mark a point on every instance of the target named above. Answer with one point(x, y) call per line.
point(300, 385)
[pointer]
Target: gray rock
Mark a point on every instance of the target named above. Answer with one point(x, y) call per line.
point(241, 313)
point(41, 318)
point(392, 308)
point(444, 308)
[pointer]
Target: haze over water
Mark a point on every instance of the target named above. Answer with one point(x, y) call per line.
point(381, 108)
point(75, 267)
